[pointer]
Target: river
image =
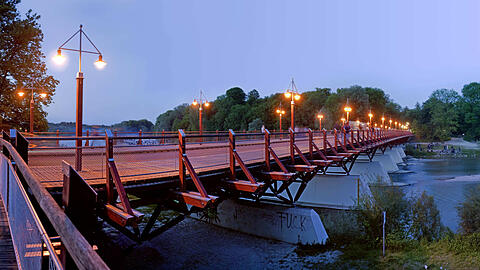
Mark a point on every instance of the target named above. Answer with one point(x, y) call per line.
point(447, 180)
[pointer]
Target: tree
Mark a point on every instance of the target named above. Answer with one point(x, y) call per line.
point(471, 110)
point(469, 212)
point(22, 65)
point(425, 218)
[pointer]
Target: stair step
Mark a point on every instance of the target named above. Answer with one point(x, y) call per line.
point(336, 158)
point(302, 168)
point(118, 216)
point(323, 163)
point(279, 176)
point(243, 185)
point(137, 214)
point(195, 199)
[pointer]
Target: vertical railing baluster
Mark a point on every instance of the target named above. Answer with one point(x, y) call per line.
point(310, 143)
point(108, 176)
point(267, 150)
point(292, 141)
point(181, 153)
point(231, 141)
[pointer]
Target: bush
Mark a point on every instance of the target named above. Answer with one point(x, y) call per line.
point(370, 213)
point(469, 212)
point(425, 218)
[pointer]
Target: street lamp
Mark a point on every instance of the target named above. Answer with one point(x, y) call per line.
point(60, 59)
point(370, 115)
point(347, 109)
point(21, 94)
point(201, 102)
point(280, 112)
point(292, 94)
point(390, 126)
point(320, 117)
point(395, 124)
point(343, 121)
point(383, 121)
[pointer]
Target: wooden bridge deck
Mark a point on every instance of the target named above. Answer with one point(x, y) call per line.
point(7, 252)
point(142, 164)
point(148, 163)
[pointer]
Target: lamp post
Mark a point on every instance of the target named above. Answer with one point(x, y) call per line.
point(320, 117)
point(280, 112)
point(100, 64)
point(390, 126)
point(383, 121)
point(395, 124)
point(21, 94)
point(292, 94)
point(370, 115)
point(201, 102)
point(343, 121)
point(347, 109)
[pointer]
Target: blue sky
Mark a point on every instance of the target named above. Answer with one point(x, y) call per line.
point(161, 53)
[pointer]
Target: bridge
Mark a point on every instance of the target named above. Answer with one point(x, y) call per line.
point(67, 189)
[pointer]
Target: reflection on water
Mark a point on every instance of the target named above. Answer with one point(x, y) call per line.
point(430, 175)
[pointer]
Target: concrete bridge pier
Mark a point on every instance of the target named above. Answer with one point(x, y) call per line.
point(394, 153)
point(289, 224)
point(401, 151)
point(387, 161)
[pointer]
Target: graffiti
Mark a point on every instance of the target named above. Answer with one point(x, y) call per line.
point(291, 221)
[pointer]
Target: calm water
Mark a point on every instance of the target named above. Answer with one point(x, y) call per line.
point(447, 180)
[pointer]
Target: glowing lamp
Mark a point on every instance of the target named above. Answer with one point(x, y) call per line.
point(297, 97)
point(100, 64)
point(207, 104)
point(59, 59)
point(21, 94)
point(43, 95)
point(194, 103)
point(288, 94)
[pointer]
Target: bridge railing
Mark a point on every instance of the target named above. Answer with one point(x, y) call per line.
point(32, 244)
point(30, 238)
point(163, 149)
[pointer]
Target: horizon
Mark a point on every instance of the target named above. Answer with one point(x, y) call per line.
point(408, 49)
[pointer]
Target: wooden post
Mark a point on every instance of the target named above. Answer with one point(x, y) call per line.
point(292, 141)
point(108, 176)
point(181, 166)
point(231, 141)
point(310, 143)
point(87, 143)
point(344, 137)
point(267, 150)
point(58, 135)
point(20, 144)
point(140, 139)
point(324, 140)
point(336, 139)
point(163, 136)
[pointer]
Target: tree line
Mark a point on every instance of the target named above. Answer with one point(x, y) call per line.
point(447, 113)
point(238, 110)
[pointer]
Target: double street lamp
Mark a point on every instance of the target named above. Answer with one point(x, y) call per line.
point(100, 64)
point(292, 94)
point(320, 117)
point(347, 109)
point(201, 102)
point(21, 94)
point(280, 112)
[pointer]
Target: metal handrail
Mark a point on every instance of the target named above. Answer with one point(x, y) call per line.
point(46, 240)
point(78, 247)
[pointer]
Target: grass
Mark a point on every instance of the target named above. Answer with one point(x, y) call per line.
point(452, 251)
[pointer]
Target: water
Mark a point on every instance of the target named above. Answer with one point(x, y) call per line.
point(447, 180)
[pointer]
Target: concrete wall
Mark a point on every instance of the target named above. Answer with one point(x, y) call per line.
point(289, 224)
point(333, 191)
point(387, 161)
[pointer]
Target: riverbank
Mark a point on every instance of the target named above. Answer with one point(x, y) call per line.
point(454, 148)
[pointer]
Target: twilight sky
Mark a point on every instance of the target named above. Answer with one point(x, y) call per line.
point(161, 53)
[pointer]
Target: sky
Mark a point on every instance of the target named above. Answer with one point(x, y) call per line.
point(162, 53)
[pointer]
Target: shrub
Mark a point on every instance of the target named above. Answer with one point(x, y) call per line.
point(469, 212)
point(425, 218)
point(370, 213)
